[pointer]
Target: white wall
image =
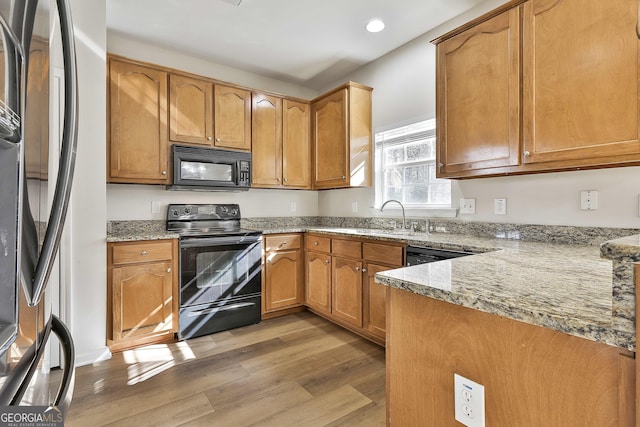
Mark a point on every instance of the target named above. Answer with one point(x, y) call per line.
point(135, 49)
point(127, 202)
point(87, 213)
point(404, 92)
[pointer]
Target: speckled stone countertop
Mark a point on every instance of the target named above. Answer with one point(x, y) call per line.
point(129, 231)
point(575, 280)
point(569, 288)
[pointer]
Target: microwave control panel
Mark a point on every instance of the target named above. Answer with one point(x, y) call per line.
point(245, 174)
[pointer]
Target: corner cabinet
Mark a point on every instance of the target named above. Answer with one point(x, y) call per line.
point(280, 144)
point(137, 124)
point(340, 283)
point(540, 86)
point(342, 138)
point(283, 278)
point(142, 293)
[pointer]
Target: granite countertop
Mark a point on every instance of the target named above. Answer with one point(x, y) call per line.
point(567, 288)
point(584, 290)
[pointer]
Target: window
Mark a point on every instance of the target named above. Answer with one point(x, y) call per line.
point(406, 167)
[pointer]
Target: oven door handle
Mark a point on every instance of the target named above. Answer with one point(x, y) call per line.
point(221, 308)
point(200, 242)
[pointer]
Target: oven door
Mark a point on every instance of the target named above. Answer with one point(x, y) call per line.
point(220, 284)
point(219, 269)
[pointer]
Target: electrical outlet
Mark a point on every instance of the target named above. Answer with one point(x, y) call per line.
point(155, 207)
point(467, 206)
point(354, 206)
point(293, 207)
point(500, 206)
point(469, 401)
point(589, 200)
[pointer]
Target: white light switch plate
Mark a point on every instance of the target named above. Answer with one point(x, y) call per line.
point(469, 401)
point(155, 207)
point(467, 206)
point(500, 206)
point(589, 200)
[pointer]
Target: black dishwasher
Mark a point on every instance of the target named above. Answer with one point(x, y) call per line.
point(423, 255)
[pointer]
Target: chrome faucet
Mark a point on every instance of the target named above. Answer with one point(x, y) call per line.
point(404, 219)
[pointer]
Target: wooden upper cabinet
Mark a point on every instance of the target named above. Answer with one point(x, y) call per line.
point(190, 110)
point(342, 138)
point(266, 140)
point(138, 124)
point(478, 97)
point(232, 117)
point(296, 144)
point(581, 81)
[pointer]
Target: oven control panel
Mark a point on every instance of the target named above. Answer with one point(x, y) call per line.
point(203, 212)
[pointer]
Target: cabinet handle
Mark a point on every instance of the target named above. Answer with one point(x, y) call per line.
point(526, 154)
point(143, 253)
point(164, 172)
point(169, 270)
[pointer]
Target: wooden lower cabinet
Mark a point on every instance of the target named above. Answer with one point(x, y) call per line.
point(318, 284)
point(346, 290)
point(283, 275)
point(142, 293)
point(532, 376)
point(340, 283)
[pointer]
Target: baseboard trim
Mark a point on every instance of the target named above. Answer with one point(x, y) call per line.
point(94, 356)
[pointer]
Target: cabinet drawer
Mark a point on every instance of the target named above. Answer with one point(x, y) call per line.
point(386, 254)
point(282, 241)
point(317, 243)
point(349, 248)
point(143, 252)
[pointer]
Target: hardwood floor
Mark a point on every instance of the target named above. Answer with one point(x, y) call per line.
point(297, 370)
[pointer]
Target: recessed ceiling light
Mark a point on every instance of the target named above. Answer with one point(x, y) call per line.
point(375, 26)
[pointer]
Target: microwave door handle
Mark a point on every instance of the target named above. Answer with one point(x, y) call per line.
point(67, 157)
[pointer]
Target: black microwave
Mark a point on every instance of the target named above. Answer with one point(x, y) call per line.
point(200, 168)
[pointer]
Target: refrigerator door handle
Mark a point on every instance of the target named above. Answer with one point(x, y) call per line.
point(65, 390)
point(67, 158)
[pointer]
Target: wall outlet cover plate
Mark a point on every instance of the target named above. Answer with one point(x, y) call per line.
point(469, 401)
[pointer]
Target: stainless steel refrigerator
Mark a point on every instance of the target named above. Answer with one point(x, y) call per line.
point(36, 168)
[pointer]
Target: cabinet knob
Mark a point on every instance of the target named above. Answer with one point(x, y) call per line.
point(278, 179)
point(344, 177)
point(143, 253)
point(283, 243)
point(164, 172)
point(357, 268)
point(218, 140)
point(315, 243)
point(327, 261)
point(169, 270)
point(440, 165)
point(364, 270)
point(526, 154)
point(209, 138)
point(286, 179)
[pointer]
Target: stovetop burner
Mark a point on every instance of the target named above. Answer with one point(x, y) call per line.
point(206, 220)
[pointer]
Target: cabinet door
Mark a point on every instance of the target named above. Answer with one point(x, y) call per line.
point(346, 281)
point(375, 310)
point(478, 97)
point(283, 280)
point(330, 141)
point(296, 149)
point(580, 87)
point(318, 292)
point(138, 124)
point(191, 110)
point(142, 300)
point(266, 141)
point(232, 118)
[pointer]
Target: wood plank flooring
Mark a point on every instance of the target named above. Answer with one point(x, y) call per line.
point(297, 370)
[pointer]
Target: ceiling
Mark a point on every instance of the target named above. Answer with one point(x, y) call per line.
point(309, 43)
